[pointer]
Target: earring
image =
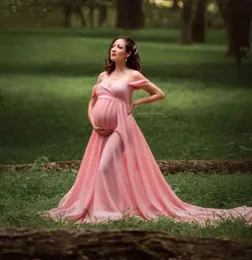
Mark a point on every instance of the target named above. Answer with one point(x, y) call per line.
point(126, 60)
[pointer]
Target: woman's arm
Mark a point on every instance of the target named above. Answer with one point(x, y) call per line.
point(155, 92)
point(93, 101)
point(90, 110)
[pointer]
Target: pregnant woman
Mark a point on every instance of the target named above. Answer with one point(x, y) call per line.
point(118, 175)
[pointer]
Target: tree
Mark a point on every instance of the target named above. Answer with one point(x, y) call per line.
point(103, 13)
point(72, 7)
point(129, 14)
point(175, 5)
point(186, 19)
point(237, 17)
point(43, 8)
point(198, 22)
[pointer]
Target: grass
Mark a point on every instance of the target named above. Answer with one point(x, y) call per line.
point(46, 82)
point(35, 191)
point(45, 85)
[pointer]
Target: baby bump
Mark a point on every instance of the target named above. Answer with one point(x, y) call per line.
point(104, 113)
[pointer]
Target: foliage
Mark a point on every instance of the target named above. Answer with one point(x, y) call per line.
point(39, 164)
point(40, 7)
point(45, 7)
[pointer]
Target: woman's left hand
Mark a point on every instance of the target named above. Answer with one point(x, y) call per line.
point(105, 132)
point(132, 104)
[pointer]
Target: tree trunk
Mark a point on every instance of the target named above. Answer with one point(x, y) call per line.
point(186, 15)
point(114, 245)
point(175, 5)
point(79, 13)
point(103, 13)
point(129, 14)
point(91, 4)
point(68, 10)
point(240, 18)
point(198, 23)
point(237, 17)
point(73, 7)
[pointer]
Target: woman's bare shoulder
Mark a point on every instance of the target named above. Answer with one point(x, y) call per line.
point(136, 75)
point(101, 76)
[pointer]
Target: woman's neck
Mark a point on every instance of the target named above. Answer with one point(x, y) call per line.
point(120, 67)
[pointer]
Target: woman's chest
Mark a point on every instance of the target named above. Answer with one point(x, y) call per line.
point(119, 89)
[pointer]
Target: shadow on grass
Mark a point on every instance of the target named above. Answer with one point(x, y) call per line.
point(64, 122)
point(215, 37)
point(226, 74)
point(162, 36)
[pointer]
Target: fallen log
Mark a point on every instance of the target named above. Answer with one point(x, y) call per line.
point(116, 245)
point(166, 166)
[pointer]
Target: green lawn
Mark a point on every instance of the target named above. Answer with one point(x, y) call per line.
point(46, 78)
point(36, 191)
point(46, 81)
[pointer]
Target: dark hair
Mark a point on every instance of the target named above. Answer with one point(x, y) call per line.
point(133, 61)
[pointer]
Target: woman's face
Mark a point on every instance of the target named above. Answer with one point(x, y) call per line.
point(118, 51)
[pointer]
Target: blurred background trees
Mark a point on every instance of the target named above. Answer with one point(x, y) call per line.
point(192, 17)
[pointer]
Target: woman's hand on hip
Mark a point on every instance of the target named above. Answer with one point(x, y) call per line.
point(132, 104)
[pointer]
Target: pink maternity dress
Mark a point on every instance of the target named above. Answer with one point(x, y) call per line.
point(119, 176)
